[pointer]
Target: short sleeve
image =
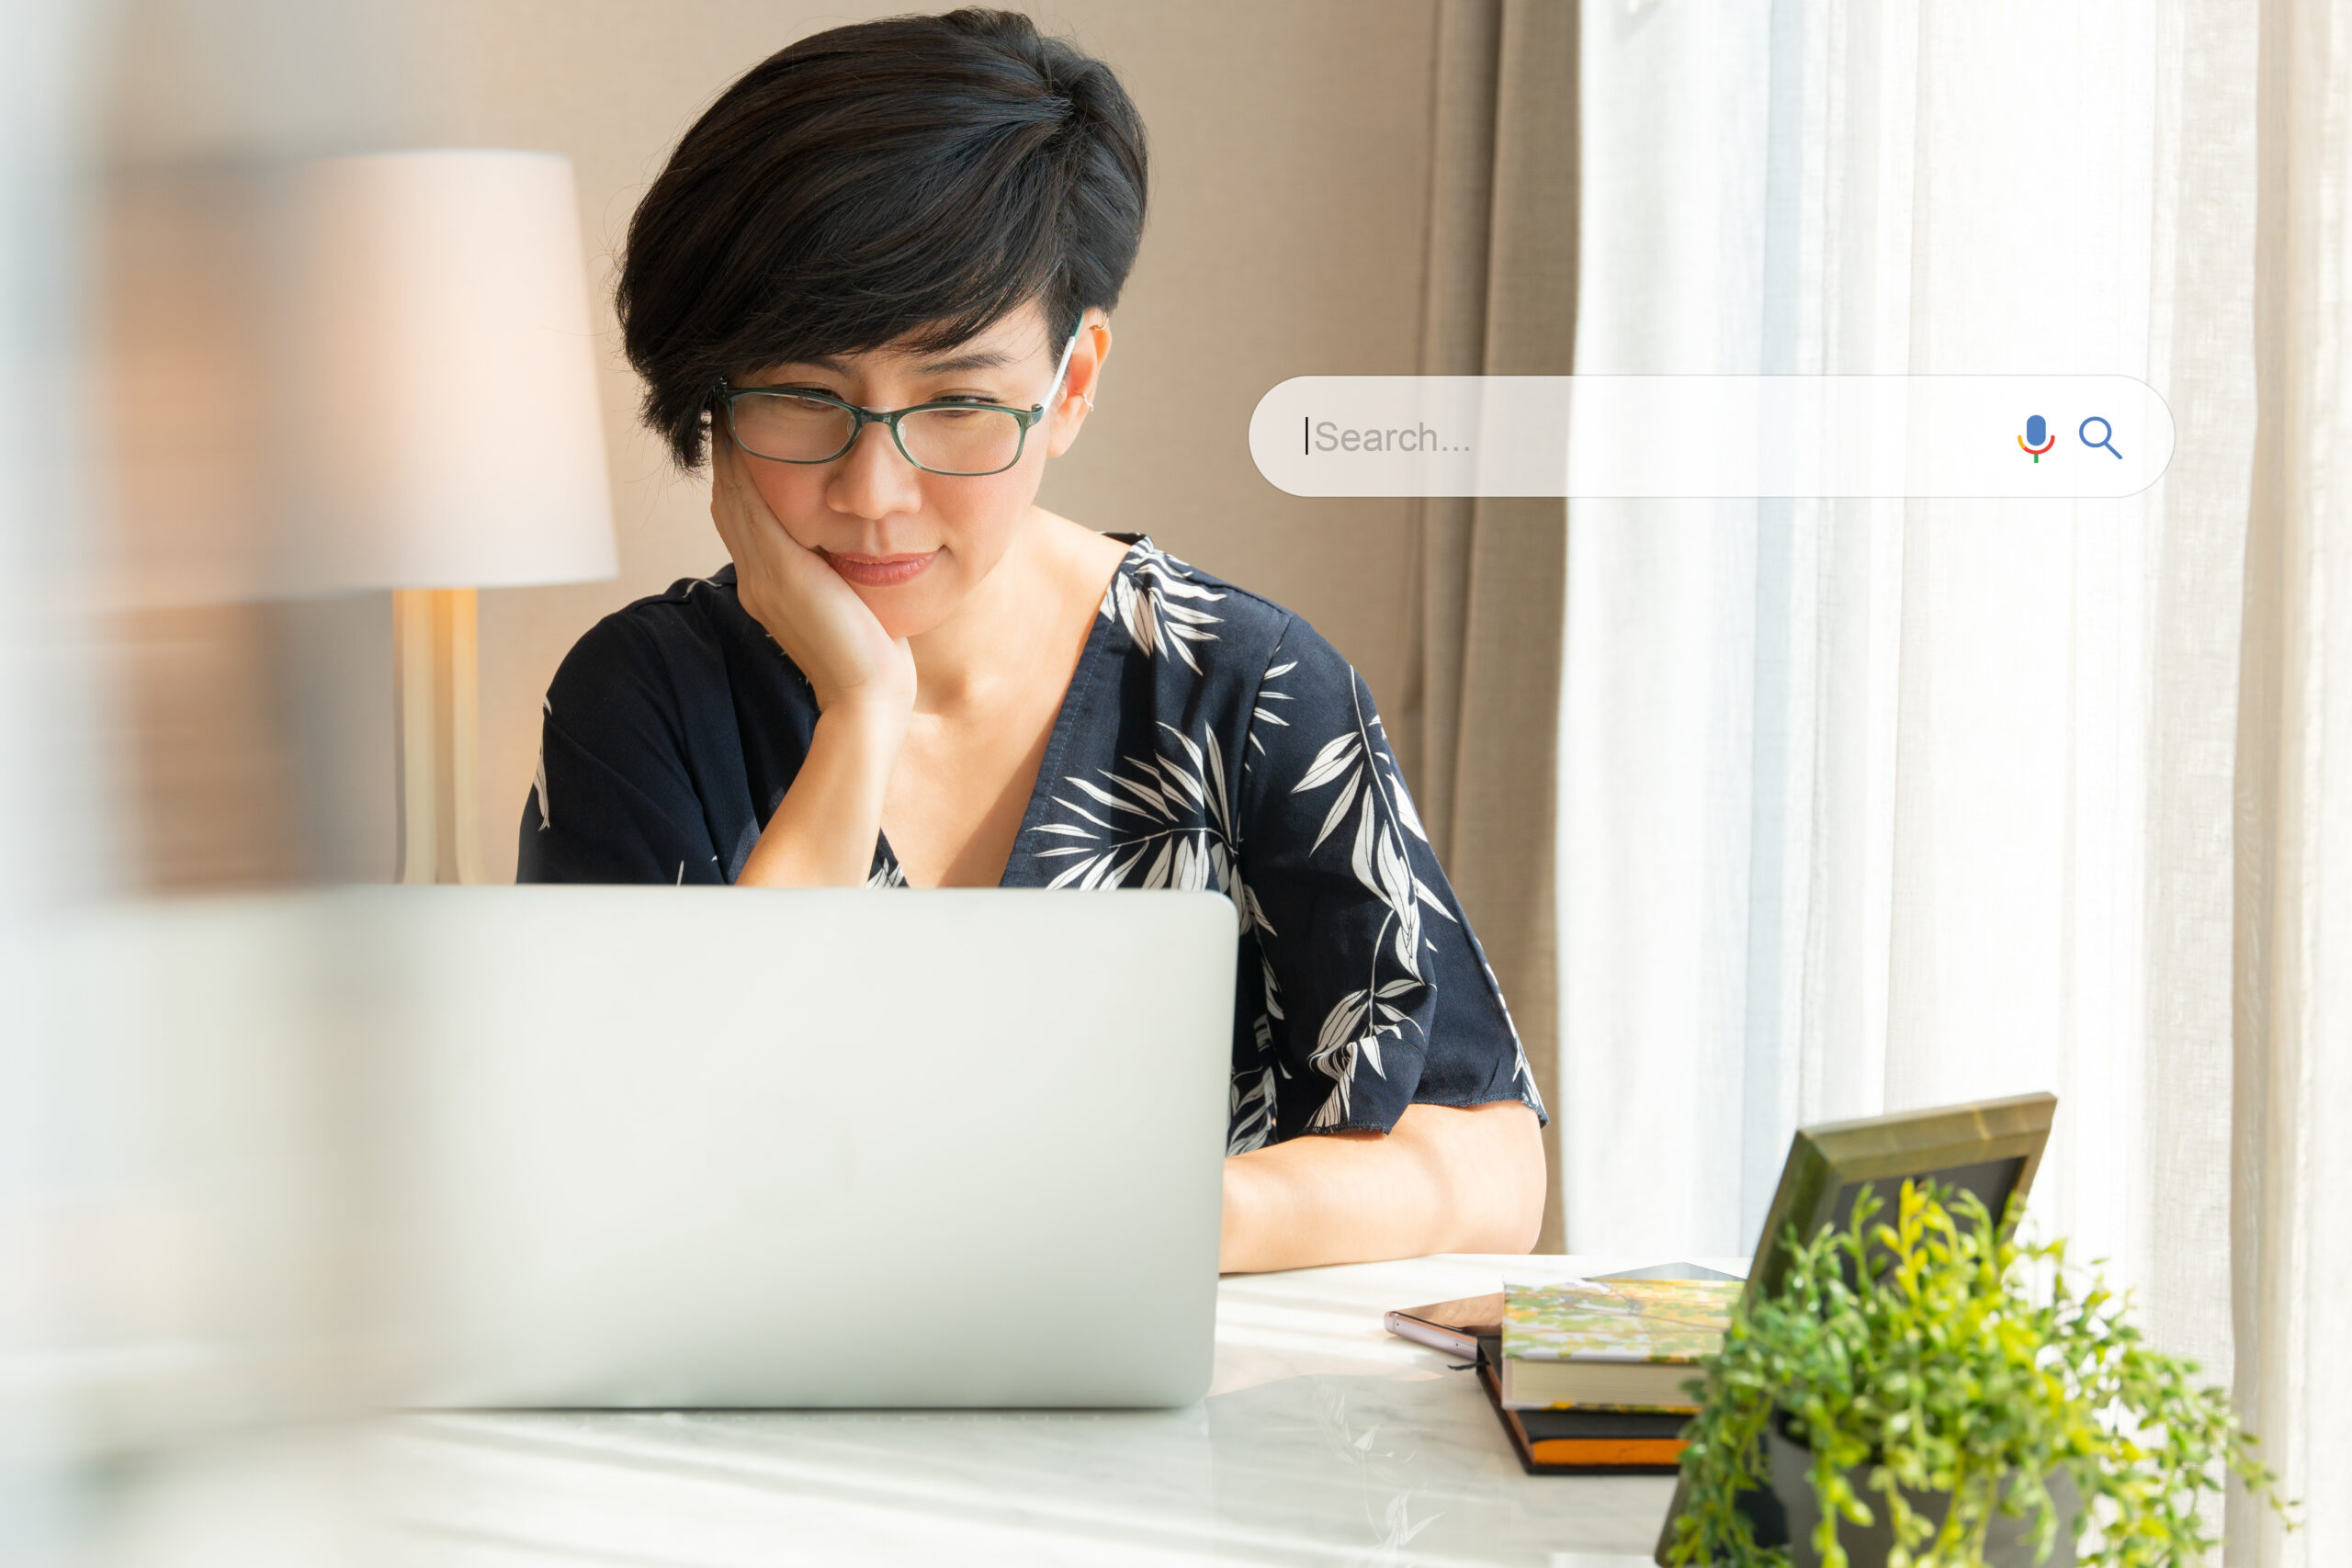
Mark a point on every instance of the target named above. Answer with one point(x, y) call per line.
point(1374, 993)
point(613, 800)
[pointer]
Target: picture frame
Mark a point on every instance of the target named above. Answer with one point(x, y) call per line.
point(1991, 1147)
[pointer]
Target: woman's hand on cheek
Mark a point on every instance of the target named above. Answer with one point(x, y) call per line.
point(815, 617)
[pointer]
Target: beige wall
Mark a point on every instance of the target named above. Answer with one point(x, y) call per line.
point(1290, 145)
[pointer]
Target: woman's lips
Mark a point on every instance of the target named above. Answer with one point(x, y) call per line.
point(880, 571)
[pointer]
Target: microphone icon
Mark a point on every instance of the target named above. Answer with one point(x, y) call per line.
point(2037, 438)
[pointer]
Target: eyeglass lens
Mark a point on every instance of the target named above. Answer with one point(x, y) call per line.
point(977, 440)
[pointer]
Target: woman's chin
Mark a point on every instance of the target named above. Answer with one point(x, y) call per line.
point(906, 612)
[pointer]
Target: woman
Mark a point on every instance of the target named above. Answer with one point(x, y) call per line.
point(874, 282)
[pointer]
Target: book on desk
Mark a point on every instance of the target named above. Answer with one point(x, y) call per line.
point(1586, 1375)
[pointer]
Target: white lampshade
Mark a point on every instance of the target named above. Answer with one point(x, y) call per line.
point(444, 424)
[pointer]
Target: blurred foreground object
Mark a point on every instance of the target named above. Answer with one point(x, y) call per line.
point(448, 433)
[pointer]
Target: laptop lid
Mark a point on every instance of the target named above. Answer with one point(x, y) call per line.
point(739, 1147)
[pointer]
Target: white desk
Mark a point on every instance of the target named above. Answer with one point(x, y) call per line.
point(1323, 1440)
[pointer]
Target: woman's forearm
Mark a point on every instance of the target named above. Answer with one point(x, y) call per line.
point(823, 833)
point(1441, 1180)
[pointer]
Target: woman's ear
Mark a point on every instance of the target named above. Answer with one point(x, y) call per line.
point(1083, 383)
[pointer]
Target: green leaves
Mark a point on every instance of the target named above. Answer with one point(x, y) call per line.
point(1935, 1356)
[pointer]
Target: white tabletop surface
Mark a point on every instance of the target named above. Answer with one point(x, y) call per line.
point(1323, 1440)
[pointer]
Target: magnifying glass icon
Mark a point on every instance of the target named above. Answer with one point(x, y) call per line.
point(2106, 436)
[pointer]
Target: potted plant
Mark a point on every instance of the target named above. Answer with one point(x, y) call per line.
point(1933, 1393)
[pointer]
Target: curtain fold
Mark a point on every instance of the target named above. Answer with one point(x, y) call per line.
point(1477, 734)
point(2291, 1240)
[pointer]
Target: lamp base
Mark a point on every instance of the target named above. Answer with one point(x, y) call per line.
point(440, 727)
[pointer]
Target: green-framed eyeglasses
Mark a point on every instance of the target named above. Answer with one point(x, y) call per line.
point(957, 437)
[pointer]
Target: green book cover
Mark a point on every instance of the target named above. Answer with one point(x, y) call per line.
point(1617, 1320)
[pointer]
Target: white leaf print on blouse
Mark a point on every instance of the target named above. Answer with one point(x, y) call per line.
point(1250, 1112)
point(1148, 601)
point(1374, 794)
point(1161, 821)
point(1261, 713)
point(1520, 1072)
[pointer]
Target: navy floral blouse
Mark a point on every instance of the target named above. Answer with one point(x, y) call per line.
point(1208, 739)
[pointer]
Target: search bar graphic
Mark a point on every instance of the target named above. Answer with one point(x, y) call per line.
point(2008, 437)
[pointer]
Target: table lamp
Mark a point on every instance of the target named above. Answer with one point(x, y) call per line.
point(448, 433)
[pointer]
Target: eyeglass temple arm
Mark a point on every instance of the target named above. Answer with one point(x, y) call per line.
point(1062, 369)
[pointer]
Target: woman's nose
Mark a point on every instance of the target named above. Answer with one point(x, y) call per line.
point(873, 479)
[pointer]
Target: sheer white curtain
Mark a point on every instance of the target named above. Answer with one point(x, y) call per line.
point(1873, 805)
point(2292, 1234)
point(1869, 806)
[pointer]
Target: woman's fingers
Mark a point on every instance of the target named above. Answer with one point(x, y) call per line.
point(763, 553)
point(815, 616)
point(726, 507)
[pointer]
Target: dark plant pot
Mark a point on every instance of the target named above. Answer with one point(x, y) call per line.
point(2009, 1543)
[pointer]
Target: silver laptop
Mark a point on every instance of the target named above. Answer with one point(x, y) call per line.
point(702, 1147)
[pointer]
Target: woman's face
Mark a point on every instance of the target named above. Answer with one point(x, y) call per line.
point(914, 544)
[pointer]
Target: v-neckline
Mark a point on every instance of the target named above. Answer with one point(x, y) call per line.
point(1056, 738)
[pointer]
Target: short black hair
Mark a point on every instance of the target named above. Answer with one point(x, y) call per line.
point(915, 179)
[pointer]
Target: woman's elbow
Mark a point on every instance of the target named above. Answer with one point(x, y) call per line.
point(1495, 1178)
point(1520, 1181)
